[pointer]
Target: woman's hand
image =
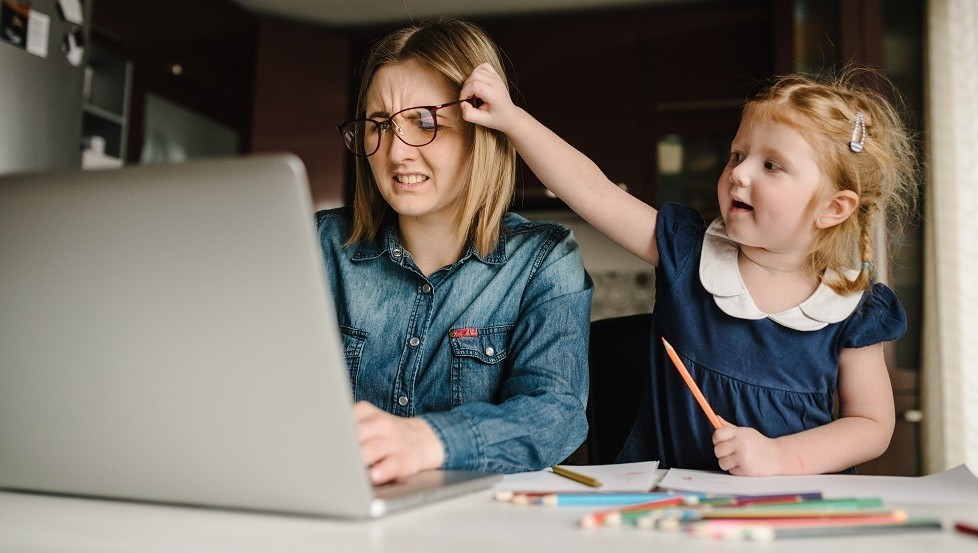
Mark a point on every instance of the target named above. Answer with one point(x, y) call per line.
point(743, 451)
point(497, 110)
point(395, 447)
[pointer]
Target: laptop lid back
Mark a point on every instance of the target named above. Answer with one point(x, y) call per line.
point(166, 334)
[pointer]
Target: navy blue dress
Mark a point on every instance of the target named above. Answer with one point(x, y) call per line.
point(756, 373)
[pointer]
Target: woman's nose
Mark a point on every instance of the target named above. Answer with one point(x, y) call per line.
point(398, 149)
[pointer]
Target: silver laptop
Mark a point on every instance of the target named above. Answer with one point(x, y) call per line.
point(167, 335)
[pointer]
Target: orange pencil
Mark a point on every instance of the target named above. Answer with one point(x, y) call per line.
point(692, 385)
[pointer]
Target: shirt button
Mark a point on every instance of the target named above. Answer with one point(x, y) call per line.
point(490, 352)
point(402, 401)
point(414, 341)
point(426, 288)
point(396, 252)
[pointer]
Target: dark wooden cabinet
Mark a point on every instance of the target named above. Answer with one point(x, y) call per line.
point(577, 75)
point(277, 86)
point(199, 55)
point(301, 92)
point(613, 84)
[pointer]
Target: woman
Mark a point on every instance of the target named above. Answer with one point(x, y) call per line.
point(465, 327)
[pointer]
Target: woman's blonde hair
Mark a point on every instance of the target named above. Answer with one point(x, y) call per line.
point(451, 48)
point(884, 174)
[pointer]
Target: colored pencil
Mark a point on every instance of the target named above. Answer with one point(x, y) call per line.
point(612, 517)
point(692, 385)
point(825, 508)
point(598, 499)
point(770, 533)
point(576, 476)
point(733, 500)
point(966, 528)
point(715, 528)
point(778, 498)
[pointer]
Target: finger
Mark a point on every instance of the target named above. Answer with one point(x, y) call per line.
point(724, 433)
point(387, 470)
point(363, 410)
point(374, 450)
point(724, 449)
point(379, 426)
point(727, 463)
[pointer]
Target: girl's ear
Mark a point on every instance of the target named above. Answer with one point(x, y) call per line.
point(837, 209)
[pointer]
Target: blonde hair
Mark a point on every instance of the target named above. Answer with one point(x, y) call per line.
point(884, 175)
point(451, 48)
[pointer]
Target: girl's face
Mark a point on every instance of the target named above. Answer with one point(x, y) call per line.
point(768, 189)
point(426, 181)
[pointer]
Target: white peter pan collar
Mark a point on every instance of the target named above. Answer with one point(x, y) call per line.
point(720, 276)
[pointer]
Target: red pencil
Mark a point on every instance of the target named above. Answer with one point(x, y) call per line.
point(965, 528)
point(692, 385)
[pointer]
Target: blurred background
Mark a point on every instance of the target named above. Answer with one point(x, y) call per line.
point(649, 89)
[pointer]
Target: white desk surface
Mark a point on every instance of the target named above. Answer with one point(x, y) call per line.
point(474, 523)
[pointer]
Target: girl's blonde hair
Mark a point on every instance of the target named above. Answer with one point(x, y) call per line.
point(884, 174)
point(451, 48)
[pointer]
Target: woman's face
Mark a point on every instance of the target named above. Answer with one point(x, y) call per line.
point(426, 181)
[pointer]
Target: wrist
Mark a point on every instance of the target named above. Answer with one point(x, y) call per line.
point(789, 461)
point(431, 452)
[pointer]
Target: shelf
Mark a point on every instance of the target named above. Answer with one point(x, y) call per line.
point(104, 114)
point(105, 106)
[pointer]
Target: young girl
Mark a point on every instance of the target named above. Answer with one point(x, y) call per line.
point(770, 306)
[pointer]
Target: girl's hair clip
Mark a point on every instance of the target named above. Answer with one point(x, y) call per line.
point(858, 134)
point(866, 265)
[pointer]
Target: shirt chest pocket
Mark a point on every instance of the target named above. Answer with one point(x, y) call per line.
point(353, 342)
point(478, 370)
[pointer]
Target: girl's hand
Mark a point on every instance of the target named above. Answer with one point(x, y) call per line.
point(395, 447)
point(497, 110)
point(743, 451)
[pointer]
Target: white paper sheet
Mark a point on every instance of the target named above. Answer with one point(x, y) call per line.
point(626, 477)
point(957, 486)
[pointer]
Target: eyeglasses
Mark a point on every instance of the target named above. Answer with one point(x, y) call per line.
point(415, 126)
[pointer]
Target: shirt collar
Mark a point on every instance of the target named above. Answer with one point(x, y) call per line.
point(720, 276)
point(387, 242)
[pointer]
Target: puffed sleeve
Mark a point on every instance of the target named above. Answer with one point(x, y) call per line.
point(678, 233)
point(878, 318)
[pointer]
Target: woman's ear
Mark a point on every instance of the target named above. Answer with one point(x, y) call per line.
point(837, 209)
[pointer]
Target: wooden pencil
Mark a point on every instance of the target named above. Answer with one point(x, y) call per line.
point(576, 476)
point(692, 385)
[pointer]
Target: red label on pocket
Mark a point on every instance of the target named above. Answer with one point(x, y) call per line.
point(464, 332)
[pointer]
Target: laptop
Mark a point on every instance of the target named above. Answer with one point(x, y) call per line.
point(167, 335)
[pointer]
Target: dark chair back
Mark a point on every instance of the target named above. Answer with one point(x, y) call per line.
point(619, 365)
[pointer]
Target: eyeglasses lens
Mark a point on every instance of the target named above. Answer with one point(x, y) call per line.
point(414, 127)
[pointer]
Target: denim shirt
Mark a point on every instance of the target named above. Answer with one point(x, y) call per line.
point(490, 351)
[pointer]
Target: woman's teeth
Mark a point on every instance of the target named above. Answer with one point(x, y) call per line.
point(410, 179)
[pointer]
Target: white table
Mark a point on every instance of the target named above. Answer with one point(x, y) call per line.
point(474, 523)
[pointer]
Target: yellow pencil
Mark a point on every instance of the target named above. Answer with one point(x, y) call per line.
point(692, 385)
point(576, 476)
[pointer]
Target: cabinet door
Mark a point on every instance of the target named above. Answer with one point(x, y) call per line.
point(198, 55)
point(698, 67)
point(578, 75)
